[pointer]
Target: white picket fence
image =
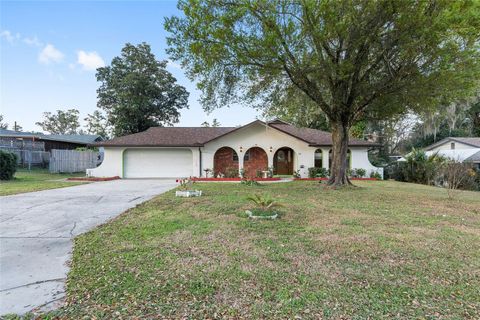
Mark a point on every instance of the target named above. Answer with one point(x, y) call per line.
point(72, 161)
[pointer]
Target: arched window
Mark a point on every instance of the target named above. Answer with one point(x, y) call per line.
point(318, 158)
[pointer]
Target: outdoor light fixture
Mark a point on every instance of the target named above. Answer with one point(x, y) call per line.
point(271, 149)
point(241, 149)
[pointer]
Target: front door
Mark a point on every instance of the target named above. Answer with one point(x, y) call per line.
point(283, 161)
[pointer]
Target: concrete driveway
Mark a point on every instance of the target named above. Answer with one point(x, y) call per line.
point(36, 232)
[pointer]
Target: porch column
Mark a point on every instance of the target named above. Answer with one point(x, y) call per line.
point(270, 156)
point(240, 161)
point(325, 158)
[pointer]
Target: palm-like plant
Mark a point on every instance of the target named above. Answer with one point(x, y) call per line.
point(264, 203)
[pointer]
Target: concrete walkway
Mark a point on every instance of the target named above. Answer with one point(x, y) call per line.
point(36, 232)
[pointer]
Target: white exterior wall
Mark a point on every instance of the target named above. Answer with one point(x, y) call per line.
point(258, 135)
point(112, 164)
point(359, 159)
point(447, 146)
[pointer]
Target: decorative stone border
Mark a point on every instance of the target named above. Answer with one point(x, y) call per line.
point(252, 216)
point(93, 178)
point(188, 193)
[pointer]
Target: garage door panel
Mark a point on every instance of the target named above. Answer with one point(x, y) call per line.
point(157, 163)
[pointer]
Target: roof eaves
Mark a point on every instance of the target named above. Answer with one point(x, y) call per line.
point(236, 129)
point(131, 145)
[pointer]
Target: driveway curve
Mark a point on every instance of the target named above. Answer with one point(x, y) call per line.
point(36, 232)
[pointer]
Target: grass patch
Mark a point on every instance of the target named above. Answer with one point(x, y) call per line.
point(36, 180)
point(381, 251)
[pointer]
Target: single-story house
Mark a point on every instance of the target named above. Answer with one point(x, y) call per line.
point(455, 143)
point(162, 152)
point(461, 149)
point(36, 141)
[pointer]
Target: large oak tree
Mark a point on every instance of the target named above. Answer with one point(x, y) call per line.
point(350, 57)
point(138, 92)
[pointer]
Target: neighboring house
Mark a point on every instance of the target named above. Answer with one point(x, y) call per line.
point(461, 149)
point(188, 151)
point(45, 142)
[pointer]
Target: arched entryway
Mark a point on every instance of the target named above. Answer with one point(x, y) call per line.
point(283, 161)
point(225, 163)
point(255, 161)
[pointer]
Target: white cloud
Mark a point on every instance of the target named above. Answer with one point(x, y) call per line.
point(173, 64)
point(33, 41)
point(90, 60)
point(50, 54)
point(7, 35)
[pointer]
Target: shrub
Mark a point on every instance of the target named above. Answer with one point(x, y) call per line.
point(457, 175)
point(8, 165)
point(297, 174)
point(360, 172)
point(419, 168)
point(231, 172)
point(250, 182)
point(316, 172)
point(264, 203)
point(376, 175)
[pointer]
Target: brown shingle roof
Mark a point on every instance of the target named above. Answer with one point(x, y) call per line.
point(168, 137)
point(198, 136)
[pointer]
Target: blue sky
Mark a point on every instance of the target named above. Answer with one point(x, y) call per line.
point(49, 52)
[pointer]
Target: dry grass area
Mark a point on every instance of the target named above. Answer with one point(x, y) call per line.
point(36, 180)
point(381, 250)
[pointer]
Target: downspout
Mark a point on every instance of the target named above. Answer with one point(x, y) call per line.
point(200, 162)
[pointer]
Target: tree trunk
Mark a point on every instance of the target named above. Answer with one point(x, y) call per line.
point(338, 171)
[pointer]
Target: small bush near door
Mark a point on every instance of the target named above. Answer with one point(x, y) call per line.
point(316, 172)
point(8, 165)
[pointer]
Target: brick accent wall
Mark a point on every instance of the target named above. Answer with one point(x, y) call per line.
point(258, 161)
point(223, 163)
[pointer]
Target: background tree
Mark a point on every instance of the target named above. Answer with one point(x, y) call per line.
point(351, 58)
point(295, 107)
point(96, 123)
point(17, 127)
point(215, 123)
point(137, 92)
point(3, 125)
point(62, 122)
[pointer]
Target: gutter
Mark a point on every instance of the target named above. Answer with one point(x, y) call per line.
point(200, 161)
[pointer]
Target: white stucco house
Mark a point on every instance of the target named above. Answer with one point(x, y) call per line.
point(162, 152)
point(461, 149)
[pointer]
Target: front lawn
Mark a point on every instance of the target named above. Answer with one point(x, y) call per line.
point(36, 180)
point(383, 250)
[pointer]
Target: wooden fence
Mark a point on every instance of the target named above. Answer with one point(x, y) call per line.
point(28, 158)
point(72, 161)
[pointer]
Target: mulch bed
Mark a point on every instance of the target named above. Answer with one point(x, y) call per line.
point(93, 178)
point(234, 179)
point(325, 179)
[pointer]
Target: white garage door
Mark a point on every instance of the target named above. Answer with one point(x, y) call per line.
point(157, 163)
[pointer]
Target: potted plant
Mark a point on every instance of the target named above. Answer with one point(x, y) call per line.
point(186, 189)
point(207, 172)
point(264, 207)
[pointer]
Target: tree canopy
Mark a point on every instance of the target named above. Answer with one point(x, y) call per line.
point(62, 122)
point(351, 58)
point(137, 92)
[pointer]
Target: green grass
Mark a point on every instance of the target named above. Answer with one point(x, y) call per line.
point(36, 180)
point(383, 250)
